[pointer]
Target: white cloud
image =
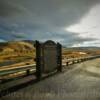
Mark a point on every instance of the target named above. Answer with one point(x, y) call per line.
point(89, 26)
point(87, 43)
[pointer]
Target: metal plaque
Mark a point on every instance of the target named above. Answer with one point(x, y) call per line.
point(49, 56)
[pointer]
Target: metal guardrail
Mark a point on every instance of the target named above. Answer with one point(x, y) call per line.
point(27, 68)
point(78, 60)
point(13, 70)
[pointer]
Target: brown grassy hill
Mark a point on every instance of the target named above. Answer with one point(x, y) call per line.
point(16, 50)
point(17, 46)
point(81, 51)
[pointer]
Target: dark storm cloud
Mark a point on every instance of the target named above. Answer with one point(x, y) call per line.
point(42, 19)
point(7, 9)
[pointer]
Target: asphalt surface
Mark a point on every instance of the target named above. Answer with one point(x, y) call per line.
point(80, 82)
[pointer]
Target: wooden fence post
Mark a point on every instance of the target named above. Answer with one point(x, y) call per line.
point(38, 60)
point(59, 56)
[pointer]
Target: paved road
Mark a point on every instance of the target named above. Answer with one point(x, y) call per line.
point(79, 83)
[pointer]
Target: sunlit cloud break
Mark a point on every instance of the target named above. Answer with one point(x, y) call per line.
point(88, 27)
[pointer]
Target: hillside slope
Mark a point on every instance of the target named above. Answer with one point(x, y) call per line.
point(16, 50)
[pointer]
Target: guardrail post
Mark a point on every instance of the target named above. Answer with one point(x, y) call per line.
point(67, 63)
point(27, 72)
point(77, 60)
point(73, 62)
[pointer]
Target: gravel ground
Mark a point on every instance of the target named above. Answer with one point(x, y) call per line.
point(79, 83)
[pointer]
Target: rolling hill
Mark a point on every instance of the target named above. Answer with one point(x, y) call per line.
point(16, 50)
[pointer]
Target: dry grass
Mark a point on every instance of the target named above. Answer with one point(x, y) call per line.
point(77, 54)
point(14, 51)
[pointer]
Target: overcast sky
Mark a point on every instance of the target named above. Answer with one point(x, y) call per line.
point(70, 22)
